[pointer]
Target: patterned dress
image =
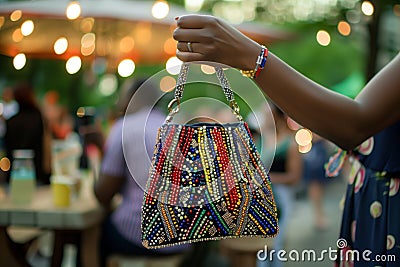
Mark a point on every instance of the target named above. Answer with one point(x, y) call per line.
point(370, 231)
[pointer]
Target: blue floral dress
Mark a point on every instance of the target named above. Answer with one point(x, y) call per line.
point(370, 231)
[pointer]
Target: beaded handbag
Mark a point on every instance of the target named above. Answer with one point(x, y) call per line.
point(206, 181)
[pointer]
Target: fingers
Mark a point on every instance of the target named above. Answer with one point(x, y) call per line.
point(189, 56)
point(194, 21)
point(184, 47)
point(186, 35)
point(183, 52)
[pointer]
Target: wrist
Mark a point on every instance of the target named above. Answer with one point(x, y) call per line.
point(257, 65)
point(250, 57)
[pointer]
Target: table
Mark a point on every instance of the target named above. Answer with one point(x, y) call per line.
point(83, 216)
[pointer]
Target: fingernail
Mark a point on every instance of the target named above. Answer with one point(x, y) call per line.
point(176, 18)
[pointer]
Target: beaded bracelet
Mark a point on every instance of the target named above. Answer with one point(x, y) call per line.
point(260, 64)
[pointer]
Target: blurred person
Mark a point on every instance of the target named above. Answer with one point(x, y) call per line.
point(64, 124)
point(285, 172)
point(8, 108)
point(9, 105)
point(59, 120)
point(92, 137)
point(315, 178)
point(121, 231)
point(27, 130)
point(367, 128)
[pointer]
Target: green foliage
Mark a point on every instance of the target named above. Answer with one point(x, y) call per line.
point(327, 65)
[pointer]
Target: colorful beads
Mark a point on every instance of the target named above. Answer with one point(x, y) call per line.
point(260, 64)
point(206, 183)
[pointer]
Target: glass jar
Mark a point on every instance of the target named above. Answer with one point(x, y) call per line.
point(23, 178)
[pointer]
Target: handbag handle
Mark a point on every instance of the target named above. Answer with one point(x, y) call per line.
point(180, 86)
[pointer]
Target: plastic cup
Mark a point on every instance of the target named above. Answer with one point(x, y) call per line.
point(61, 193)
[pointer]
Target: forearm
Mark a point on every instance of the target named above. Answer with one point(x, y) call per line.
point(342, 120)
point(327, 113)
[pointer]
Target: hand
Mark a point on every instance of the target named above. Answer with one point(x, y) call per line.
point(214, 40)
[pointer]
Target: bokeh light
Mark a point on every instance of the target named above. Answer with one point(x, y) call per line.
point(5, 164)
point(194, 5)
point(17, 35)
point(60, 46)
point(344, 28)
point(27, 27)
point(80, 112)
point(167, 84)
point(160, 9)
point(306, 148)
point(127, 44)
point(88, 42)
point(207, 69)
point(303, 137)
point(170, 46)
point(19, 61)
point(73, 10)
point(2, 19)
point(323, 38)
point(173, 65)
point(87, 24)
point(126, 67)
point(367, 8)
point(108, 84)
point(73, 64)
point(144, 30)
point(16, 15)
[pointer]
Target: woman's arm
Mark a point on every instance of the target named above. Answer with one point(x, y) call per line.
point(106, 187)
point(340, 119)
